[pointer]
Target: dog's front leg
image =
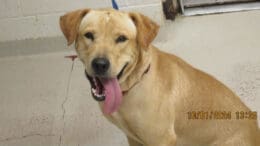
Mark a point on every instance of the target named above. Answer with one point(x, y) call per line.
point(133, 142)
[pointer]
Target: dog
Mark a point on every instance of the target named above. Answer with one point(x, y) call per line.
point(155, 98)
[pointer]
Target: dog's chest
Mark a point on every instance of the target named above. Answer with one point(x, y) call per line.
point(144, 129)
point(137, 119)
point(140, 118)
point(130, 118)
point(124, 124)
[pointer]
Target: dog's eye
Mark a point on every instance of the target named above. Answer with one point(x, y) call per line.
point(89, 35)
point(121, 39)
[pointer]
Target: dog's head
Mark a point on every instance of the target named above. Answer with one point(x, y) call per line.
point(109, 44)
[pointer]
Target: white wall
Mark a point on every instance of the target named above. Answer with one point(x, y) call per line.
point(27, 19)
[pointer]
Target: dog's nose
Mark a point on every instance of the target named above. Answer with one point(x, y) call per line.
point(100, 65)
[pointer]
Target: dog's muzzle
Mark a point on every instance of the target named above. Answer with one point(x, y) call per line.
point(97, 88)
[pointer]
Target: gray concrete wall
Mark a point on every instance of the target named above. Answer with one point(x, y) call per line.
point(33, 19)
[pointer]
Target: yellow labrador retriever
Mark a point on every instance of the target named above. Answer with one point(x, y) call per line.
point(156, 98)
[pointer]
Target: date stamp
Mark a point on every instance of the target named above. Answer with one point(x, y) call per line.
point(222, 115)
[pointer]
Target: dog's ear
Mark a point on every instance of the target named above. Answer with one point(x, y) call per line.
point(69, 24)
point(146, 29)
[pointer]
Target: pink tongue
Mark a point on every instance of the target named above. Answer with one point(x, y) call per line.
point(113, 95)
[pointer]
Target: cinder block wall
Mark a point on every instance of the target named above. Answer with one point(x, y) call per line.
point(32, 19)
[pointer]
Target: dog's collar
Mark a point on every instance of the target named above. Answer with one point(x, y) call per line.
point(145, 72)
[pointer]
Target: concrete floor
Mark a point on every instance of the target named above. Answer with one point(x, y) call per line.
point(45, 99)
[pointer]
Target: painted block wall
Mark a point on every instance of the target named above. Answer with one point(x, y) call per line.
point(32, 19)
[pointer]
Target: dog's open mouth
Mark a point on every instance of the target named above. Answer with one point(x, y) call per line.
point(107, 90)
point(97, 89)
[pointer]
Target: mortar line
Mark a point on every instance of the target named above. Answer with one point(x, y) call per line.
point(25, 136)
point(64, 102)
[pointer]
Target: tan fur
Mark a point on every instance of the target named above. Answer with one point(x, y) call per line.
point(147, 29)
point(155, 105)
point(69, 24)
